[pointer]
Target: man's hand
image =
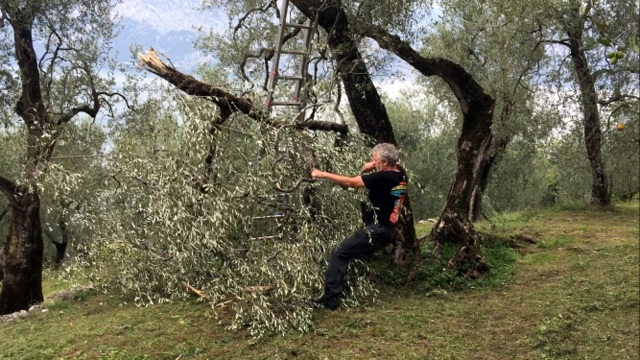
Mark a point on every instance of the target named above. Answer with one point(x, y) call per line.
point(316, 174)
point(368, 167)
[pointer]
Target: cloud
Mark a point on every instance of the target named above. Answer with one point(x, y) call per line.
point(166, 16)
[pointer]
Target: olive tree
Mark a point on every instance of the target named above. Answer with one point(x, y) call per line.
point(54, 84)
point(601, 42)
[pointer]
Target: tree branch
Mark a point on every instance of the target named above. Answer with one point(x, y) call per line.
point(323, 125)
point(564, 42)
point(227, 102)
point(50, 235)
point(263, 8)
point(187, 83)
point(616, 98)
point(465, 88)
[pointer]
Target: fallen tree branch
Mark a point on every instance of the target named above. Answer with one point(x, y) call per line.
point(194, 290)
point(228, 102)
point(190, 85)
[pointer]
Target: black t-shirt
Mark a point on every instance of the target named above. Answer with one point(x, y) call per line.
point(387, 190)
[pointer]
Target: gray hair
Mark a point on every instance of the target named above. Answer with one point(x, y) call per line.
point(387, 152)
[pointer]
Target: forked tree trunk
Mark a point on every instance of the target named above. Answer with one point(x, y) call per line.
point(495, 154)
point(454, 225)
point(22, 255)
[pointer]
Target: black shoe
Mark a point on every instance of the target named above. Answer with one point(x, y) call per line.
point(327, 302)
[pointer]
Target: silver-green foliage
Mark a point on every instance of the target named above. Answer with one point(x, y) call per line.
point(159, 230)
point(426, 135)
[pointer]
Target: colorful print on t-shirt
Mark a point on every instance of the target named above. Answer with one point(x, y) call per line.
point(399, 192)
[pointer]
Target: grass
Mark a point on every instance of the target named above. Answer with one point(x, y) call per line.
point(572, 295)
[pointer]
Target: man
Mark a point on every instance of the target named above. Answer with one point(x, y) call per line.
point(387, 189)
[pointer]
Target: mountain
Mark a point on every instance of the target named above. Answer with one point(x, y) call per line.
point(169, 27)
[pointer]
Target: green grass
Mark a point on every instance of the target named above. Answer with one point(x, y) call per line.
point(572, 295)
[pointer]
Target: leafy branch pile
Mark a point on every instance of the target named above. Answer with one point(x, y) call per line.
point(166, 228)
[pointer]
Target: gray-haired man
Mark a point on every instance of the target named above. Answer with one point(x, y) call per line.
point(387, 189)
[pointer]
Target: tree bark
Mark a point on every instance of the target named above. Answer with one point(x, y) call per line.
point(495, 154)
point(600, 192)
point(473, 146)
point(2, 215)
point(22, 253)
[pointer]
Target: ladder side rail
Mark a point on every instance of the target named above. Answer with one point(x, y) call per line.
point(301, 92)
point(275, 65)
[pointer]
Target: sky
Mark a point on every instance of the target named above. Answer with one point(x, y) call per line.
point(164, 16)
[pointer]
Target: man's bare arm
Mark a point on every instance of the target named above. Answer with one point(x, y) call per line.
point(353, 182)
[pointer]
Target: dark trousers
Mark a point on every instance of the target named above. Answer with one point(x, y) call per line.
point(364, 241)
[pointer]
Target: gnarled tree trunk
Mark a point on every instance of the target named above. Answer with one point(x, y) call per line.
point(22, 255)
point(473, 146)
point(454, 224)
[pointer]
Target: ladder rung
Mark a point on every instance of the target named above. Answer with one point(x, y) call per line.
point(293, 52)
point(286, 103)
point(298, 26)
point(290, 77)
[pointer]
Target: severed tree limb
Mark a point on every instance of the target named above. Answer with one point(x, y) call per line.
point(228, 102)
point(190, 85)
point(323, 126)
